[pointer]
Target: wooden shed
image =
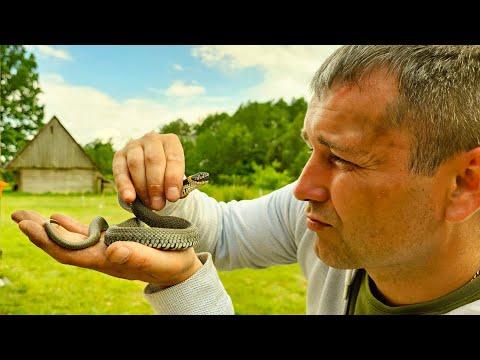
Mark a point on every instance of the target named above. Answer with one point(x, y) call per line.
point(54, 162)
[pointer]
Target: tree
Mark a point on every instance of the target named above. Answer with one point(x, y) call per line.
point(20, 114)
point(178, 127)
point(101, 152)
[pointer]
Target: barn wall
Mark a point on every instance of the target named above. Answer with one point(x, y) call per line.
point(57, 181)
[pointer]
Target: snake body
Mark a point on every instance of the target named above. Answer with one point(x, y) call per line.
point(164, 232)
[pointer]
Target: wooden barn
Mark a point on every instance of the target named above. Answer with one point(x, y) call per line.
point(54, 162)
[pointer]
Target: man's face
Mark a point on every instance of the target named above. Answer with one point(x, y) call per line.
point(367, 209)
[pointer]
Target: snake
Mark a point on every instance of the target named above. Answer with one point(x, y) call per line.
point(163, 232)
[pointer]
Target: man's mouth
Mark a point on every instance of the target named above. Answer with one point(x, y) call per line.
point(315, 224)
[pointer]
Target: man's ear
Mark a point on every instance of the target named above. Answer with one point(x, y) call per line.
point(465, 196)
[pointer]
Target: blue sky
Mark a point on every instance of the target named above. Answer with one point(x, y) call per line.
point(123, 91)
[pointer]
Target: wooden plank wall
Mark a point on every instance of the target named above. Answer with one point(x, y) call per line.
point(58, 181)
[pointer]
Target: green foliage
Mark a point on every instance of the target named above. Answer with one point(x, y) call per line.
point(268, 177)
point(7, 176)
point(101, 152)
point(178, 127)
point(259, 140)
point(20, 114)
point(231, 192)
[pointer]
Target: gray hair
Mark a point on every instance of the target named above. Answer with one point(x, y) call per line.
point(439, 94)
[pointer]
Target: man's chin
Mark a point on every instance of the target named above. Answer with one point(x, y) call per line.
point(325, 255)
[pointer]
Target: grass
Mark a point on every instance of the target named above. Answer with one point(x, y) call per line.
point(39, 285)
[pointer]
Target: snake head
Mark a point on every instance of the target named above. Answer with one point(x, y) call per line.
point(52, 221)
point(199, 178)
point(192, 182)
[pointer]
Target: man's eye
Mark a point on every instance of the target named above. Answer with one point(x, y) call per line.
point(341, 162)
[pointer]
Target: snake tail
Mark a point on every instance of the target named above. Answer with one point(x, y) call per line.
point(97, 225)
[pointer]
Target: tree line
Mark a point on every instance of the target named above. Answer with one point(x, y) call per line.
point(259, 145)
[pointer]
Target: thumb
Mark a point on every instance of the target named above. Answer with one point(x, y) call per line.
point(119, 254)
point(133, 254)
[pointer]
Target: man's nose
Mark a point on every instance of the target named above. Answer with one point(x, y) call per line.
point(313, 182)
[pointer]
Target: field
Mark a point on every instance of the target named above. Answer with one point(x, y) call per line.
point(37, 284)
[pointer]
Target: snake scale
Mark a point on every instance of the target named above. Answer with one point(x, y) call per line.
point(164, 232)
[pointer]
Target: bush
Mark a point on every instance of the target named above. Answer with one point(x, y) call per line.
point(268, 178)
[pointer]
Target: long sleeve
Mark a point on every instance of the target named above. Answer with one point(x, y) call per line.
point(255, 233)
point(201, 294)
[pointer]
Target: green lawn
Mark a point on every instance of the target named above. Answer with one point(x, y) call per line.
point(40, 285)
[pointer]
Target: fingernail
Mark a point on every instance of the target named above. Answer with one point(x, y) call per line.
point(120, 255)
point(157, 202)
point(127, 194)
point(172, 193)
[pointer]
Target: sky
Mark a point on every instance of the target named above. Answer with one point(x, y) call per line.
point(121, 92)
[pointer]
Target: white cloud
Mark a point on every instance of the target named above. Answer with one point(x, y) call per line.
point(50, 51)
point(179, 88)
point(89, 114)
point(287, 69)
point(178, 67)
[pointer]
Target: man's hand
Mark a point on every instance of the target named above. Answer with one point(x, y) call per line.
point(122, 259)
point(152, 167)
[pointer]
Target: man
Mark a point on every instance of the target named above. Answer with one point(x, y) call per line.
point(383, 219)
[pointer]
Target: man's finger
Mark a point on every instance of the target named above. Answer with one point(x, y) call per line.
point(122, 177)
point(35, 232)
point(70, 224)
point(20, 215)
point(154, 172)
point(136, 168)
point(175, 168)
